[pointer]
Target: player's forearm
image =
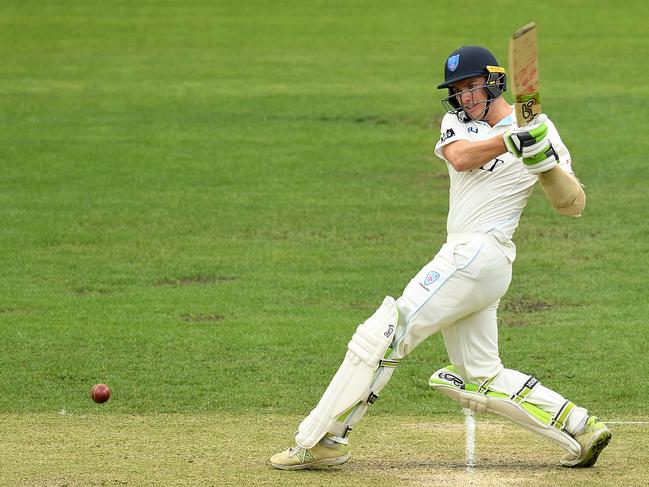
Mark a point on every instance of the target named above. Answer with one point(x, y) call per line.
point(564, 191)
point(464, 155)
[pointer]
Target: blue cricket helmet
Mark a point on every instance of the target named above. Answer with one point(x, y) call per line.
point(469, 62)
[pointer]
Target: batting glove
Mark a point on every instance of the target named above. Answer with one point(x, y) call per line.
point(528, 141)
point(543, 161)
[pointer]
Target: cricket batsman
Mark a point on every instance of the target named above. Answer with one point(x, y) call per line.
point(493, 166)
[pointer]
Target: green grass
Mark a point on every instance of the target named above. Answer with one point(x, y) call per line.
point(201, 200)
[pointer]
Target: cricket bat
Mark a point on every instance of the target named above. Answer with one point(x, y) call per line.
point(524, 74)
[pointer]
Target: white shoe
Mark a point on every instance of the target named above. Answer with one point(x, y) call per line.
point(321, 455)
point(593, 439)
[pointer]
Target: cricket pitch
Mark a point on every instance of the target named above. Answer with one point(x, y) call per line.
point(223, 449)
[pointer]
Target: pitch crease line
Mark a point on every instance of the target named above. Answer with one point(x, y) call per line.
point(469, 420)
point(626, 422)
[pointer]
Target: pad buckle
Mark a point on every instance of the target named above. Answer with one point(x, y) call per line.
point(386, 362)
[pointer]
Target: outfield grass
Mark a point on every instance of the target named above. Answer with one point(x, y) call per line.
point(200, 201)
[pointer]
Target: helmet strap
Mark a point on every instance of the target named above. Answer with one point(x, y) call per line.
point(486, 111)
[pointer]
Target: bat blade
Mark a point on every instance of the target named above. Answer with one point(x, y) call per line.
point(524, 74)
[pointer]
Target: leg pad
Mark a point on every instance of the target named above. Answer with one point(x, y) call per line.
point(351, 385)
point(480, 399)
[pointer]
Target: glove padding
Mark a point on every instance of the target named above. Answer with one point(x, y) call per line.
point(528, 141)
point(543, 161)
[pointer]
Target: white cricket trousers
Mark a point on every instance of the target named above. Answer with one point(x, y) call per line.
point(458, 293)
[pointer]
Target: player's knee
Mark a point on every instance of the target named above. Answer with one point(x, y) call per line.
point(405, 306)
point(477, 374)
point(375, 335)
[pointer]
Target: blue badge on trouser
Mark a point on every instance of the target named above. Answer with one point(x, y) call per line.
point(431, 278)
point(452, 62)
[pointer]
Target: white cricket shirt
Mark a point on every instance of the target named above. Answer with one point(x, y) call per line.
point(490, 200)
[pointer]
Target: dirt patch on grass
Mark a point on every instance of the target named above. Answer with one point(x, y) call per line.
point(522, 305)
point(14, 311)
point(371, 119)
point(90, 291)
point(192, 280)
point(201, 318)
point(516, 312)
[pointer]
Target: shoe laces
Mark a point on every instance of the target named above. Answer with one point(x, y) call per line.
point(294, 450)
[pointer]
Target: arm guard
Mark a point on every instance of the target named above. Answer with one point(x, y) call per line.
point(564, 191)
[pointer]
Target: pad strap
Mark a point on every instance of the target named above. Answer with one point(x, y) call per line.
point(559, 420)
point(484, 387)
point(339, 429)
point(524, 391)
point(386, 362)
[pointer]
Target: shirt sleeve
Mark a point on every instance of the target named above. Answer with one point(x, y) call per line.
point(451, 130)
point(565, 162)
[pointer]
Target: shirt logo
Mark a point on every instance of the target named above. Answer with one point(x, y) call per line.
point(453, 62)
point(447, 135)
point(472, 129)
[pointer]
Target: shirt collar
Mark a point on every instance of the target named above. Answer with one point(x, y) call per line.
point(508, 120)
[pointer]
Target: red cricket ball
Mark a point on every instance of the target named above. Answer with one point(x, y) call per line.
point(100, 393)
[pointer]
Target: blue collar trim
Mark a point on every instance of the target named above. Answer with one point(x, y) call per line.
point(508, 120)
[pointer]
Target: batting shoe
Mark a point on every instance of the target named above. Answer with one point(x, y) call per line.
point(593, 439)
point(326, 453)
